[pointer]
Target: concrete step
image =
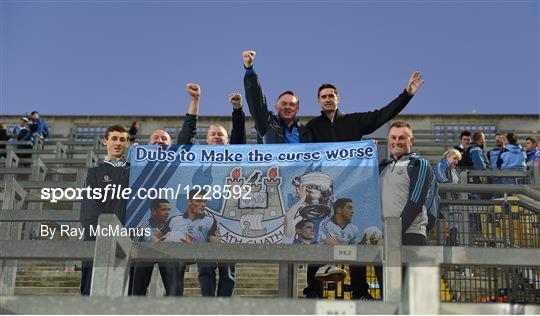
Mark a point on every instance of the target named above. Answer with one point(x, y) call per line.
point(47, 290)
point(48, 274)
point(237, 292)
point(44, 277)
point(38, 283)
point(40, 264)
point(192, 292)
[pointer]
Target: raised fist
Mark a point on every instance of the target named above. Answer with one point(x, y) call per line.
point(249, 57)
point(194, 90)
point(236, 100)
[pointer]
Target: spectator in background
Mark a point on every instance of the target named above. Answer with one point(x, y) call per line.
point(446, 171)
point(22, 132)
point(3, 133)
point(134, 132)
point(17, 129)
point(512, 158)
point(24, 135)
point(493, 156)
point(531, 146)
point(39, 126)
point(465, 140)
point(474, 156)
point(3, 137)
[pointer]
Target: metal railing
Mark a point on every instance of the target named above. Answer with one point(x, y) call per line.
point(516, 274)
point(112, 257)
point(507, 222)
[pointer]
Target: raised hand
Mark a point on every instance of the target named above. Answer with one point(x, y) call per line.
point(415, 83)
point(236, 100)
point(194, 90)
point(248, 57)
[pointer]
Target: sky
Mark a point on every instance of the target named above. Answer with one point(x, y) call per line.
point(136, 57)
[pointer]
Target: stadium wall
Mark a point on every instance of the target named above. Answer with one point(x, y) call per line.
point(62, 124)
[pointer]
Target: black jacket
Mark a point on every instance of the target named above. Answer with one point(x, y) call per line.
point(351, 127)
point(267, 124)
point(106, 172)
point(187, 134)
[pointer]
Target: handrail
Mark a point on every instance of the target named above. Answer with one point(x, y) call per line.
point(491, 188)
point(360, 254)
point(16, 215)
point(497, 173)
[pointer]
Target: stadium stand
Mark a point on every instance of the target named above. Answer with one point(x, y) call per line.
point(494, 258)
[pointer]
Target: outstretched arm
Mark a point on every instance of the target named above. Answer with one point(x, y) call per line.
point(194, 90)
point(189, 128)
point(255, 97)
point(368, 122)
point(288, 219)
point(238, 133)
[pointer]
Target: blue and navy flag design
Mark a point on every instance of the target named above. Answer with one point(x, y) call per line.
point(272, 187)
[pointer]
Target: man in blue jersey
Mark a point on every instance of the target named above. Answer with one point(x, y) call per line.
point(531, 147)
point(195, 225)
point(337, 230)
point(493, 157)
point(170, 271)
point(39, 126)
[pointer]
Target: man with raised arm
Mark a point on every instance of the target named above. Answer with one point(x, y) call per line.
point(216, 135)
point(334, 126)
point(279, 128)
